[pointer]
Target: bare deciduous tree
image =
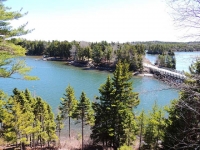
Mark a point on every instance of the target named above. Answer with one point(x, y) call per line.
point(183, 123)
point(186, 14)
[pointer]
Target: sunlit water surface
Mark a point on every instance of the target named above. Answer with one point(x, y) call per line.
point(56, 76)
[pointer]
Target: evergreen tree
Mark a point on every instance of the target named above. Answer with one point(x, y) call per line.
point(195, 67)
point(141, 122)
point(97, 53)
point(59, 126)
point(9, 50)
point(103, 130)
point(27, 120)
point(50, 125)
point(109, 51)
point(40, 111)
point(43, 122)
point(88, 52)
point(85, 113)
point(123, 86)
point(167, 60)
point(114, 113)
point(3, 98)
point(68, 105)
point(154, 127)
point(18, 110)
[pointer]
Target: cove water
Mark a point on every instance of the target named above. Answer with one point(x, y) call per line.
point(56, 76)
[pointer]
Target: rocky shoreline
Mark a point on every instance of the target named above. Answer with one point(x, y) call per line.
point(106, 67)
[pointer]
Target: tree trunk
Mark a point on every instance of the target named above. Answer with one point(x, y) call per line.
point(30, 142)
point(23, 146)
point(106, 136)
point(59, 136)
point(69, 127)
point(157, 138)
point(33, 140)
point(140, 136)
point(82, 128)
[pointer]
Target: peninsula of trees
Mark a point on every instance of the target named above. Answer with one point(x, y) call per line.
point(102, 54)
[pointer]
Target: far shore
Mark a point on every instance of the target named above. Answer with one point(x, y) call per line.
point(85, 66)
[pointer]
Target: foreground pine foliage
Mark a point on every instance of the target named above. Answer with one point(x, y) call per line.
point(8, 50)
point(26, 120)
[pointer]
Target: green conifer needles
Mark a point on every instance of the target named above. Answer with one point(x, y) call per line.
point(68, 105)
point(8, 50)
point(26, 120)
point(115, 123)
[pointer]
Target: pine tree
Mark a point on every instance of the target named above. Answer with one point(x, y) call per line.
point(50, 125)
point(141, 122)
point(45, 126)
point(44, 119)
point(123, 86)
point(115, 121)
point(18, 110)
point(125, 101)
point(85, 113)
point(154, 128)
point(97, 53)
point(102, 130)
point(3, 99)
point(26, 118)
point(9, 50)
point(68, 105)
point(59, 126)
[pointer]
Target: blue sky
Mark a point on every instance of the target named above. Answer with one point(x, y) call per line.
point(97, 20)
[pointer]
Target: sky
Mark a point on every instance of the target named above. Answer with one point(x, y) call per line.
point(97, 20)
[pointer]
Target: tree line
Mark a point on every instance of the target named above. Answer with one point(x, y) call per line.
point(104, 53)
point(100, 53)
point(157, 47)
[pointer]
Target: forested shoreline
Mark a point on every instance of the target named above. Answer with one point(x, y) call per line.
point(39, 47)
point(27, 121)
point(98, 54)
point(105, 55)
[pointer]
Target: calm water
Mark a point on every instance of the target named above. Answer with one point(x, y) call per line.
point(183, 59)
point(56, 76)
